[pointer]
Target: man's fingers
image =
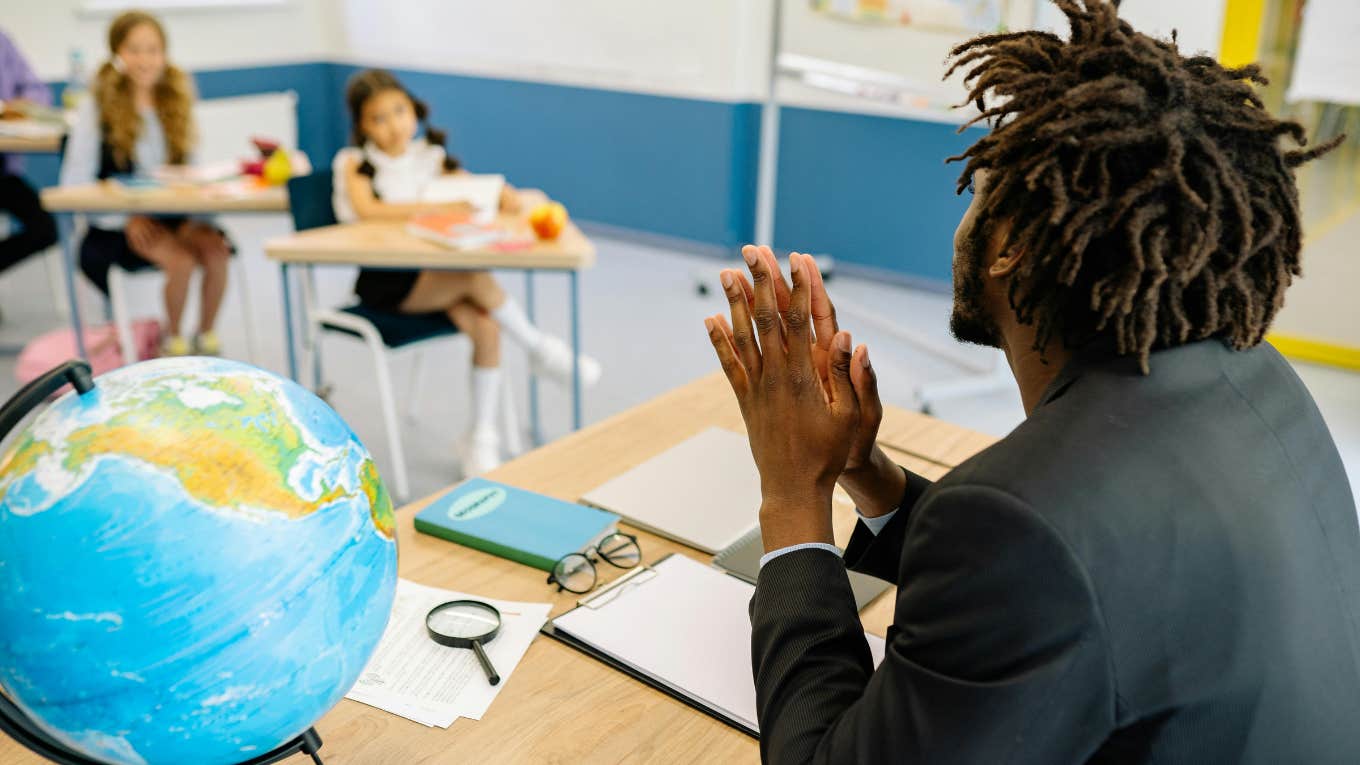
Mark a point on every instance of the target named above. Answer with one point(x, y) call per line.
point(741, 332)
point(782, 292)
point(842, 389)
point(727, 354)
point(769, 325)
point(797, 316)
point(823, 312)
point(865, 383)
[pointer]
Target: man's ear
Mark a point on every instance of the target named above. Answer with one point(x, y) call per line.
point(1006, 263)
point(1008, 257)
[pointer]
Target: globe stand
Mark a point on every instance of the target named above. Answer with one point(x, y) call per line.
point(309, 743)
point(18, 726)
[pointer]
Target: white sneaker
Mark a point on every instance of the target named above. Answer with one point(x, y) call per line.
point(552, 359)
point(480, 453)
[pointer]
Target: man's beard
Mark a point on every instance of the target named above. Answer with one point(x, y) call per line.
point(970, 321)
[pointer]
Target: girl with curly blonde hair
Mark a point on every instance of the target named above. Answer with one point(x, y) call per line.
point(139, 118)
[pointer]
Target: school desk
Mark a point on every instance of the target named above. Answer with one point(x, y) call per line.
point(388, 245)
point(66, 202)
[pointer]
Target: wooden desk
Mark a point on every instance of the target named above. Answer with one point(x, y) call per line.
point(387, 244)
point(66, 202)
point(104, 198)
point(12, 144)
point(45, 138)
point(560, 705)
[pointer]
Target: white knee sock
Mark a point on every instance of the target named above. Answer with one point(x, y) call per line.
point(512, 319)
point(486, 398)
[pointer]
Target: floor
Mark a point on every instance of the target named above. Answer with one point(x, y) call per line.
point(642, 319)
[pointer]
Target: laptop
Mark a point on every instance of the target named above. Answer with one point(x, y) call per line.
point(742, 560)
point(703, 492)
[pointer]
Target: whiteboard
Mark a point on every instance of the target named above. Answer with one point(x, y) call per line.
point(910, 53)
point(226, 125)
point(1327, 65)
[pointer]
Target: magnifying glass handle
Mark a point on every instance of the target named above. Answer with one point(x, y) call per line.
point(491, 675)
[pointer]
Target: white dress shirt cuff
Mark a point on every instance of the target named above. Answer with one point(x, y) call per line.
point(769, 556)
point(876, 523)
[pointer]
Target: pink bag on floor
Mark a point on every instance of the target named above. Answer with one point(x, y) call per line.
point(101, 343)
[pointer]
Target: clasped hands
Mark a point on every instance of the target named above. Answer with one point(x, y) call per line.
point(810, 402)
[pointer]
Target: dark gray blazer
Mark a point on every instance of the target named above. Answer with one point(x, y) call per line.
point(1160, 569)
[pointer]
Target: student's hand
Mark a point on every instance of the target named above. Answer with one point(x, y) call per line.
point(510, 200)
point(800, 429)
point(143, 234)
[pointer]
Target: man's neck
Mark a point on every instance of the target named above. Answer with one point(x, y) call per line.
point(1033, 374)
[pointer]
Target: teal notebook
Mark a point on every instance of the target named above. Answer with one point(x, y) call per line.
point(520, 525)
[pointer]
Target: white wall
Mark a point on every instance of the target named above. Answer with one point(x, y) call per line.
point(716, 49)
point(295, 30)
point(692, 48)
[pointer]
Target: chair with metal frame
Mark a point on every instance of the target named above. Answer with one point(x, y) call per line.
point(384, 333)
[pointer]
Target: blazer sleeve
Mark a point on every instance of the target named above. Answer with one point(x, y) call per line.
point(881, 555)
point(996, 653)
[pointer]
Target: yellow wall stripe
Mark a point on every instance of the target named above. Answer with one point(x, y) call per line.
point(1242, 22)
point(1316, 351)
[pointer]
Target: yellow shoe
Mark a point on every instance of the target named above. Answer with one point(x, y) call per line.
point(175, 345)
point(208, 344)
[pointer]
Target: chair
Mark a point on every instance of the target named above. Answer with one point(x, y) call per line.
point(384, 333)
point(120, 312)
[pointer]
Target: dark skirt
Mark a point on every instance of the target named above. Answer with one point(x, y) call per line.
point(385, 289)
point(102, 249)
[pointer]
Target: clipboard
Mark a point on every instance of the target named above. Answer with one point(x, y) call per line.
point(721, 587)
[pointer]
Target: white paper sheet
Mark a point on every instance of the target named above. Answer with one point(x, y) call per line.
point(688, 627)
point(412, 676)
point(483, 192)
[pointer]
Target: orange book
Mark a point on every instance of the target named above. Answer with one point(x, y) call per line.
point(457, 231)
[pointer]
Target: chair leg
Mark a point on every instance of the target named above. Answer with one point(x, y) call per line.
point(311, 358)
point(52, 260)
point(510, 432)
point(247, 314)
point(413, 389)
point(389, 412)
point(121, 314)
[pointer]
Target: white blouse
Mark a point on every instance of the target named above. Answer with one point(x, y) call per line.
point(398, 179)
point(80, 163)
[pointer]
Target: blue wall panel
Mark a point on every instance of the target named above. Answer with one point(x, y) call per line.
point(674, 166)
point(873, 191)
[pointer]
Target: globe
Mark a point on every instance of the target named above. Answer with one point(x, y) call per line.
point(197, 559)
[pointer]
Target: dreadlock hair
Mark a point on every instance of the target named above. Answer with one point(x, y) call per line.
point(1148, 191)
point(369, 83)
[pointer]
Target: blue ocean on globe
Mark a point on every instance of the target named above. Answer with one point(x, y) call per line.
point(197, 559)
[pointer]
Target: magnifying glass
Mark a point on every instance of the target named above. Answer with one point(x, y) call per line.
point(466, 624)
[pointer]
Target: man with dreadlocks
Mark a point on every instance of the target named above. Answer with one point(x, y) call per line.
point(1162, 563)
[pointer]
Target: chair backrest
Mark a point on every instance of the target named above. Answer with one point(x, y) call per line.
point(309, 200)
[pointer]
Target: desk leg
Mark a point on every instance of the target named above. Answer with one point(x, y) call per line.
point(289, 342)
point(575, 351)
point(66, 229)
point(535, 425)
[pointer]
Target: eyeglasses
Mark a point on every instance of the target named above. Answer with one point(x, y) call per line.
point(575, 572)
